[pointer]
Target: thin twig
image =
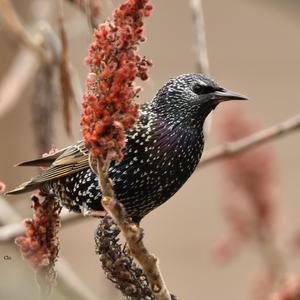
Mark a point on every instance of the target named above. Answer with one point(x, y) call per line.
point(43, 106)
point(134, 237)
point(7, 213)
point(119, 267)
point(14, 25)
point(68, 282)
point(202, 64)
point(16, 80)
point(263, 136)
point(64, 72)
point(270, 254)
point(91, 8)
point(10, 231)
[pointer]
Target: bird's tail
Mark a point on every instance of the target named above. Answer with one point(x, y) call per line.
point(31, 185)
point(25, 187)
point(41, 162)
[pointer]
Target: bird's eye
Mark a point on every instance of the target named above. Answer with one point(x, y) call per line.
point(202, 89)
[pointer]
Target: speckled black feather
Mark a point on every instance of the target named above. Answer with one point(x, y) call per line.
point(162, 151)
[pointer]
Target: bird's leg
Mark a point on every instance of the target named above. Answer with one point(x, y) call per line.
point(96, 213)
point(87, 212)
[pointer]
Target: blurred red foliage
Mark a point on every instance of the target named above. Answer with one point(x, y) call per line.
point(2, 187)
point(250, 200)
point(290, 290)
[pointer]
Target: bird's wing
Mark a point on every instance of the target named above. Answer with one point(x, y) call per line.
point(42, 162)
point(72, 160)
point(65, 162)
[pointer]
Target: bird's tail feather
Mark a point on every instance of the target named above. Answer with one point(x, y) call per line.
point(41, 162)
point(25, 187)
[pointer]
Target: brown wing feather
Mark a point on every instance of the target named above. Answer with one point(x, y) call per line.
point(73, 159)
point(41, 162)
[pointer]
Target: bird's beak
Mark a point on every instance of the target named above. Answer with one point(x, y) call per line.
point(224, 95)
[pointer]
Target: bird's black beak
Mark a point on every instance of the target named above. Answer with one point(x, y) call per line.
point(224, 95)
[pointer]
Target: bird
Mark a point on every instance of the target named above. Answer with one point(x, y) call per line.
point(162, 151)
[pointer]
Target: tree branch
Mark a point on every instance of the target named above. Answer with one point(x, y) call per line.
point(133, 235)
point(10, 231)
point(91, 8)
point(202, 64)
point(14, 25)
point(257, 138)
point(16, 80)
point(68, 282)
point(7, 213)
point(67, 92)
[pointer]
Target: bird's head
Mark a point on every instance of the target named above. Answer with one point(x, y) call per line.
point(190, 98)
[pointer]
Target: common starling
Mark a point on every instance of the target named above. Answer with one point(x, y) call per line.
point(162, 151)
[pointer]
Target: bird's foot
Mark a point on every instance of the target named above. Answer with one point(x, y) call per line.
point(87, 212)
point(95, 213)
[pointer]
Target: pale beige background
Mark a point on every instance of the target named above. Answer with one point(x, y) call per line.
point(254, 48)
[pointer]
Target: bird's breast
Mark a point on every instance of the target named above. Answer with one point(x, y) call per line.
point(155, 168)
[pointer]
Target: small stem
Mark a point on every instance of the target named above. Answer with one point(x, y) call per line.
point(68, 282)
point(271, 255)
point(105, 183)
point(10, 231)
point(133, 235)
point(12, 22)
point(21, 72)
point(257, 138)
point(202, 64)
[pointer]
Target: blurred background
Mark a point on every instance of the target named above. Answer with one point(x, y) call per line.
point(253, 48)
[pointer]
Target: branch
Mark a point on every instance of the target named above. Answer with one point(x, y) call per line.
point(7, 213)
point(27, 62)
point(263, 136)
point(198, 17)
point(9, 232)
point(64, 72)
point(119, 267)
point(21, 73)
point(68, 282)
point(133, 235)
point(91, 8)
point(202, 62)
point(14, 25)
point(270, 254)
